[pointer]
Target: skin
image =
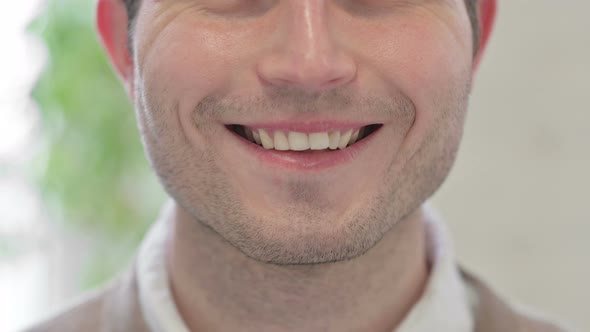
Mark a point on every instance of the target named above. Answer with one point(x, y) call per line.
point(256, 247)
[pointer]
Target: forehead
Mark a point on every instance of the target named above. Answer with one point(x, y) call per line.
point(471, 5)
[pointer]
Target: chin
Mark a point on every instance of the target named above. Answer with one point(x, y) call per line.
point(305, 239)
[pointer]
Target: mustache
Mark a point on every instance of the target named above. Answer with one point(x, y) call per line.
point(294, 101)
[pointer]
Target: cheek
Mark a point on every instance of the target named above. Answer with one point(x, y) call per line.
point(431, 65)
point(179, 68)
point(183, 67)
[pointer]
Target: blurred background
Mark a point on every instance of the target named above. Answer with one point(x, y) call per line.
point(76, 193)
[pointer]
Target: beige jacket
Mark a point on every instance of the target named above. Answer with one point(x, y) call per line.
point(116, 308)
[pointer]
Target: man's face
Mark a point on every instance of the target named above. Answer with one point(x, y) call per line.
point(303, 71)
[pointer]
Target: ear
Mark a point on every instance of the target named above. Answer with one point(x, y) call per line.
point(487, 17)
point(112, 26)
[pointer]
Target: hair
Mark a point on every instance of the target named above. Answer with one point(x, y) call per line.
point(133, 7)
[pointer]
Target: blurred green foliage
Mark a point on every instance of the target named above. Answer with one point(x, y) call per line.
point(93, 173)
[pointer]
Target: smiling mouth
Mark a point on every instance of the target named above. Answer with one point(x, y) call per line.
point(283, 140)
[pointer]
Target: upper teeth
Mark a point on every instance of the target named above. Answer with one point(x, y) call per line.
point(296, 141)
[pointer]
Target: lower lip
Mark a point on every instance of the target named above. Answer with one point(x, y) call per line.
point(306, 160)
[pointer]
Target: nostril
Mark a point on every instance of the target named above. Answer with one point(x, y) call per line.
point(316, 72)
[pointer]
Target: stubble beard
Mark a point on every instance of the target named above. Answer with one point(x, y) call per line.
point(201, 188)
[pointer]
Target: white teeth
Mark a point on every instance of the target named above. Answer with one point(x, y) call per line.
point(256, 137)
point(334, 139)
point(354, 137)
point(344, 139)
point(319, 141)
point(267, 141)
point(281, 142)
point(298, 141)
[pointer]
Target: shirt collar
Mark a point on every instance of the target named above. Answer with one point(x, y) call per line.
point(445, 304)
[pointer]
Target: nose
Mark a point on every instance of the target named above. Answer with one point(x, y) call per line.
point(304, 53)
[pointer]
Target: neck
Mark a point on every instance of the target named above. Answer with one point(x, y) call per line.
point(217, 288)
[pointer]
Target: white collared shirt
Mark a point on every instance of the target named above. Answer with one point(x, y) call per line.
point(445, 306)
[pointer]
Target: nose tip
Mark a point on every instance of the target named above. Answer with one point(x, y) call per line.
point(311, 72)
point(306, 50)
